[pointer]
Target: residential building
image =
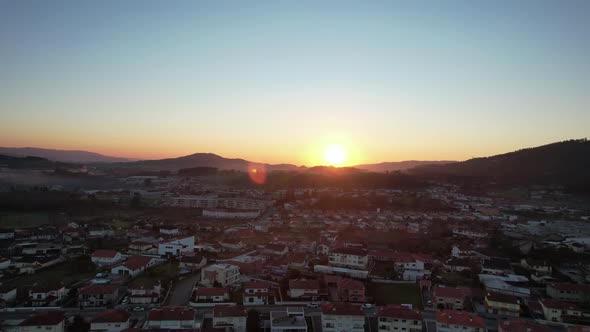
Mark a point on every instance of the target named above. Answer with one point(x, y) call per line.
point(496, 266)
point(7, 294)
point(232, 244)
point(103, 257)
point(275, 249)
point(520, 325)
point(172, 318)
point(192, 262)
point(502, 304)
point(399, 318)
point(210, 295)
point(51, 321)
point(341, 316)
point(42, 295)
point(113, 320)
point(349, 257)
point(221, 274)
point(222, 213)
point(459, 321)
point(289, 320)
point(144, 291)
point(134, 266)
point(232, 318)
point(169, 230)
point(557, 311)
point(259, 293)
point(569, 292)
point(139, 247)
point(540, 268)
point(449, 298)
point(178, 246)
point(4, 263)
point(302, 288)
point(345, 289)
point(97, 295)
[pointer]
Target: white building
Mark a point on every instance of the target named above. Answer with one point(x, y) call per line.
point(232, 318)
point(342, 317)
point(399, 318)
point(231, 213)
point(349, 257)
point(290, 320)
point(177, 246)
point(459, 321)
point(172, 318)
point(103, 257)
point(224, 274)
point(43, 322)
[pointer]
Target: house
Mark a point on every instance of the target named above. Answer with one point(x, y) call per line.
point(557, 311)
point(345, 289)
point(43, 249)
point(134, 266)
point(497, 266)
point(259, 293)
point(232, 318)
point(139, 247)
point(449, 297)
point(192, 262)
point(210, 295)
point(103, 257)
point(52, 321)
point(470, 233)
point(462, 251)
point(399, 318)
point(222, 274)
point(289, 320)
point(172, 318)
point(457, 265)
point(458, 321)
point(569, 292)
point(520, 325)
point(349, 257)
point(144, 291)
point(502, 304)
point(177, 246)
point(42, 295)
point(29, 264)
point(302, 288)
point(169, 230)
point(96, 295)
point(539, 268)
point(6, 233)
point(232, 244)
point(100, 231)
point(113, 320)
point(7, 294)
point(276, 249)
point(341, 316)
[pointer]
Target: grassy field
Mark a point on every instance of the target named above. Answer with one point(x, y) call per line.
point(395, 294)
point(32, 219)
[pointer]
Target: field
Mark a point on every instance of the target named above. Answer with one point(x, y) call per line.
point(395, 294)
point(33, 219)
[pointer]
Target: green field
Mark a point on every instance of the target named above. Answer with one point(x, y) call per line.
point(13, 219)
point(395, 294)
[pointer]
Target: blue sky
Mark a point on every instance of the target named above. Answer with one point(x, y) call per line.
point(278, 81)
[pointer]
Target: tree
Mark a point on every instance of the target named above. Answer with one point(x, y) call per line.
point(253, 321)
point(78, 325)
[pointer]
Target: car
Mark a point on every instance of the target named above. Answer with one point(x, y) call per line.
point(313, 305)
point(429, 303)
point(367, 306)
point(138, 309)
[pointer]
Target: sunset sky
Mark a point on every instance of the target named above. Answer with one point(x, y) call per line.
point(281, 81)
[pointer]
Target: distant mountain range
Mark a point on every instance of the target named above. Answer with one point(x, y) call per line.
point(67, 156)
point(398, 165)
point(565, 163)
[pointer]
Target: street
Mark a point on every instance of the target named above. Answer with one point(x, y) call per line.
point(182, 290)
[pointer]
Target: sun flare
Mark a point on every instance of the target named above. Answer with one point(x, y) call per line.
point(335, 155)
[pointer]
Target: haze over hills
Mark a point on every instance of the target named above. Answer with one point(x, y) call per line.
point(67, 156)
point(399, 165)
point(566, 163)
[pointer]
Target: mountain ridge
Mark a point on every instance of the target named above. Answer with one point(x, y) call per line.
point(67, 156)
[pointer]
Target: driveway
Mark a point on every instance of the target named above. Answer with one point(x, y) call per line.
point(182, 290)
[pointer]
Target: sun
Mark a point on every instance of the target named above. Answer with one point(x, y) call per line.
point(335, 155)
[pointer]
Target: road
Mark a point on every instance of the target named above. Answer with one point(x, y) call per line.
point(182, 290)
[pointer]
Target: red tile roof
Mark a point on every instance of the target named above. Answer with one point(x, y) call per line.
point(44, 318)
point(518, 325)
point(102, 253)
point(98, 289)
point(210, 291)
point(112, 316)
point(350, 251)
point(350, 284)
point(171, 313)
point(135, 263)
point(566, 286)
point(503, 298)
point(554, 304)
point(452, 292)
point(229, 311)
point(257, 285)
point(398, 311)
point(459, 318)
point(341, 308)
point(304, 284)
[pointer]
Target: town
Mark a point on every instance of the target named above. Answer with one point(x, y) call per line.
point(203, 257)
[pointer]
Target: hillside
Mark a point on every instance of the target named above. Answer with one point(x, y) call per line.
point(199, 160)
point(398, 165)
point(562, 163)
point(66, 156)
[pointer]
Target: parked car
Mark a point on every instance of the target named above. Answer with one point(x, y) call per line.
point(367, 305)
point(313, 305)
point(138, 309)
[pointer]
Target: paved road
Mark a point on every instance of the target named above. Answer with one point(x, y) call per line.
point(182, 290)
